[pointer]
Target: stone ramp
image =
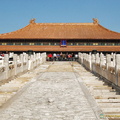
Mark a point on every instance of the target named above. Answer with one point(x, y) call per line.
point(54, 95)
point(60, 67)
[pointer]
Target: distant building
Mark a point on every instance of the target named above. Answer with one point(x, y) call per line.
point(61, 37)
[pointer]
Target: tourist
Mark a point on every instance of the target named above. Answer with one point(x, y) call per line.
point(69, 57)
point(54, 56)
point(50, 57)
point(76, 57)
point(61, 56)
point(58, 57)
point(66, 56)
point(72, 56)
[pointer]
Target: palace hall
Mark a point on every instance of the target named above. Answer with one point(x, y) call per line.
point(61, 37)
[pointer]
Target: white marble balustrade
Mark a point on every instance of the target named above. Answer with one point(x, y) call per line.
point(19, 64)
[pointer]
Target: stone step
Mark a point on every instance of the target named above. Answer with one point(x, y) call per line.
point(106, 89)
point(4, 97)
point(102, 88)
point(82, 74)
point(13, 83)
point(99, 88)
point(113, 115)
point(96, 86)
point(109, 105)
point(110, 110)
point(89, 78)
point(108, 100)
point(107, 97)
point(94, 82)
point(92, 78)
point(10, 88)
point(103, 93)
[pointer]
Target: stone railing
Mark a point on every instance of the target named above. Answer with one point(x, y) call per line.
point(20, 64)
point(106, 66)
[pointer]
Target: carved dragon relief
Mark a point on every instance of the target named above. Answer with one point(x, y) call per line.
point(32, 21)
point(95, 21)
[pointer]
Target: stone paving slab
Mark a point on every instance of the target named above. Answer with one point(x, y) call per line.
point(53, 96)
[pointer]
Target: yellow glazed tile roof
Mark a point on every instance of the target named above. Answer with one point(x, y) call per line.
point(62, 31)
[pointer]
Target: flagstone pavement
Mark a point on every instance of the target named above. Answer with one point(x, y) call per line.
point(55, 94)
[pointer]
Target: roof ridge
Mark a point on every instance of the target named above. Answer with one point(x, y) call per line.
point(64, 24)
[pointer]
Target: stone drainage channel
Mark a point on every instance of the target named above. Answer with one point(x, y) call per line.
point(106, 98)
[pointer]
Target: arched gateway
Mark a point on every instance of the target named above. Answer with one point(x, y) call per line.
point(61, 37)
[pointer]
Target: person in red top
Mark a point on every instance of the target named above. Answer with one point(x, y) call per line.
point(69, 57)
point(50, 57)
point(2, 55)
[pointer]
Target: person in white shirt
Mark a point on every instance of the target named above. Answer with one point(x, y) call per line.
point(54, 56)
point(76, 57)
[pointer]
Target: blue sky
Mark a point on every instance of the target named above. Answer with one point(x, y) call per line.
point(15, 14)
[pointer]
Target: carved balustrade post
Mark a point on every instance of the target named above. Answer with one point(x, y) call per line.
point(108, 61)
point(90, 60)
point(81, 58)
point(39, 58)
point(93, 58)
point(15, 63)
point(29, 63)
point(32, 59)
point(102, 62)
point(35, 60)
point(117, 68)
point(97, 58)
point(21, 61)
point(114, 60)
point(86, 59)
point(26, 59)
point(6, 63)
point(93, 61)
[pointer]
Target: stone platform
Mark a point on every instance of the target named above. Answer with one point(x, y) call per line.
point(56, 93)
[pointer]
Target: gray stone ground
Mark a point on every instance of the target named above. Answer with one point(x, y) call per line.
point(54, 95)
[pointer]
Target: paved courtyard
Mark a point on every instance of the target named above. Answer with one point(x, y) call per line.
point(55, 94)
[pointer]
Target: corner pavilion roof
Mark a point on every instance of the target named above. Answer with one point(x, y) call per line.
point(62, 31)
